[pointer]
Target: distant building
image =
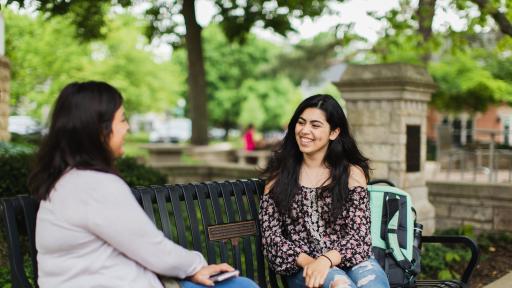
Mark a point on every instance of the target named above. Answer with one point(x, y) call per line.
point(466, 128)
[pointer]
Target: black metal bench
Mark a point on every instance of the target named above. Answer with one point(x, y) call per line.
point(218, 219)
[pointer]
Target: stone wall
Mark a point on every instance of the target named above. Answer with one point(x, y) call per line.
point(5, 79)
point(484, 206)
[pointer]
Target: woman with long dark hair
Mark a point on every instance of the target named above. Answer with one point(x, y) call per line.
point(90, 230)
point(315, 213)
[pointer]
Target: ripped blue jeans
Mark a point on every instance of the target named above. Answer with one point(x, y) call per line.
point(367, 274)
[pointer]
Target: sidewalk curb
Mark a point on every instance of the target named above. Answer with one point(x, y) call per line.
point(503, 282)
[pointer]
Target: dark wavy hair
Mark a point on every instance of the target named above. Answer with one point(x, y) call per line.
point(285, 163)
point(80, 127)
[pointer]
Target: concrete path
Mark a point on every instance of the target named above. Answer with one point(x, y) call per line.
point(503, 282)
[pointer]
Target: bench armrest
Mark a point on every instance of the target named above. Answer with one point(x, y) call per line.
point(456, 239)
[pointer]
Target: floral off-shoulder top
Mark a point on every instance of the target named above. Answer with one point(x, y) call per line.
point(309, 229)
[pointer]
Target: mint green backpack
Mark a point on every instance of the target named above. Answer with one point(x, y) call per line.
point(395, 234)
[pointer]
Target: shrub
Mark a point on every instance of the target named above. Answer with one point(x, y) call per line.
point(136, 174)
point(14, 167)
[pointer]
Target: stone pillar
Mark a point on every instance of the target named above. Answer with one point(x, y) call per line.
point(387, 111)
point(5, 79)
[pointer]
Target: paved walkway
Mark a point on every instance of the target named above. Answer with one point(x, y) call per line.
point(503, 282)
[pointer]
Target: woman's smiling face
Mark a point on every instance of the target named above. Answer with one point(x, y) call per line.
point(313, 132)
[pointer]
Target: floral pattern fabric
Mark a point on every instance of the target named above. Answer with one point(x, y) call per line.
point(309, 228)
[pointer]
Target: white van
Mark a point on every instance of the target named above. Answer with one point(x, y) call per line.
point(23, 125)
point(173, 130)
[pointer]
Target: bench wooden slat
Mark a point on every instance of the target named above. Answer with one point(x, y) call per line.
point(232, 231)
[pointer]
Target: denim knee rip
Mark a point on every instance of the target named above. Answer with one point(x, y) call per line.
point(340, 281)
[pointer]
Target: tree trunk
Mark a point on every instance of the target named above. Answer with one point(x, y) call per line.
point(426, 12)
point(500, 18)
point(196, 76)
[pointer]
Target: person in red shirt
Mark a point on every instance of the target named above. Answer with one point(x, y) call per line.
point(250, 145)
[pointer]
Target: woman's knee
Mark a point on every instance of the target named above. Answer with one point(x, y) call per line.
point(369, 274)
point(337, 278)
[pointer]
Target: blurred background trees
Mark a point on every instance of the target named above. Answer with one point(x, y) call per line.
point(246, 79)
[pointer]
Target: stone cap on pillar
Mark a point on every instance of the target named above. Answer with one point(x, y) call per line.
point(386, 77)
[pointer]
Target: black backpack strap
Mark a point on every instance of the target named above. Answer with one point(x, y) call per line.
point(393, 214)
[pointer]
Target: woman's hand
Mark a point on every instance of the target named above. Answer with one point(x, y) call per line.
point(203, 275)
point(316, 271)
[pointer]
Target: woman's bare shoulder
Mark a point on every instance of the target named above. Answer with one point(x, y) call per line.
point(357, 177)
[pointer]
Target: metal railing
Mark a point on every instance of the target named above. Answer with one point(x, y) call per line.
point(478, 161)
point(470, 165)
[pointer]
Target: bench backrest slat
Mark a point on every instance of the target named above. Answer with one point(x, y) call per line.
point(147, 202)
point(189, 193)
point(226, 193)
point(239, 199)
point(29, 212)
point(214, 193)
point(202, 196)
point(12, 210)
point(175, 194)
point(162, 198)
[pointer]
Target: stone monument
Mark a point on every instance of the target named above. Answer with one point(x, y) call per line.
point(387, 111)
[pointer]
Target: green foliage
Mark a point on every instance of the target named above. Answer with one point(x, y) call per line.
point(14, 169)
point(399, 40)
point(278, 98)
point(466, 85)
point(136, 174)
point(447, 262)
point(5, 277)
point(45, 55)
point(16, 160)
point(469, 67)
point(122, 59)
point(239, 89)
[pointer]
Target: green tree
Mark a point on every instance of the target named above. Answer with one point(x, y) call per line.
point(238, 75)
point(122, 59)
point(277, 98)
point(236, 19)
point(463, 63)
point(465, 85)
point(44, 56)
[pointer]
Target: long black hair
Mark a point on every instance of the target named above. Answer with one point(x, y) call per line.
point(284, 166)
point(80, 128)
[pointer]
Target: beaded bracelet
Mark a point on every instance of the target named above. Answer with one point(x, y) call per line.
point(327, 259)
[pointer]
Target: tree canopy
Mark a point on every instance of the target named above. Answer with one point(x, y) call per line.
point(45, 55)
point(241, 90)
